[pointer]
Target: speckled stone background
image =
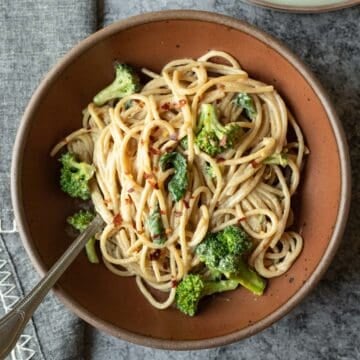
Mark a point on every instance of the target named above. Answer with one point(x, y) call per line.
point(327, 324)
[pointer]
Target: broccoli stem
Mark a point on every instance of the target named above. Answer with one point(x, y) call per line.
point(91, 251)
point(249, 279)
point(212, 287)
point(194, 287)
point(277, 159)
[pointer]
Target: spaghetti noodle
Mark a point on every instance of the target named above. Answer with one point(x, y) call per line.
point(125, 140)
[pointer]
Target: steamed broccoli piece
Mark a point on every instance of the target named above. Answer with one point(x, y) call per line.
point(193, 288)
point(184, 142)
point(156, 226)
point(75, 176)
point(246, 102)
point(80, 221)
point(277, 159)
point(213, 137)
point(126, 82)
point(178, 184)
point(223, 252)
point(209, 171)
point(236, 239)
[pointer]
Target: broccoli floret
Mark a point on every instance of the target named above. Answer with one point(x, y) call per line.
point(179, 182)
point(277, 159)
point(193, 288)
point(246, 102)
point(126, 82)
point(223, 252)
point(209, 170)
point(80, 221)
point(213, 137)
point(236, 239)
point(75, 176)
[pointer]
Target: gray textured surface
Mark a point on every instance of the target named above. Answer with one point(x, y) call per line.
point(34, 35)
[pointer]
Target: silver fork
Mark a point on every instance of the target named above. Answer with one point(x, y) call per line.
point(14, 322)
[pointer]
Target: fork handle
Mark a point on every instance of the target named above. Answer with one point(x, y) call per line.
point(14, 322)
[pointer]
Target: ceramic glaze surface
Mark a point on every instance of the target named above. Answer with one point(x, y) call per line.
point(115, 304)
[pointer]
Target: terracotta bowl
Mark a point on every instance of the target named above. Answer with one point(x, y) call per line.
point(114, 304)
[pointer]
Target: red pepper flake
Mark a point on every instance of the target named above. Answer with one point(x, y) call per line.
point(154, 151)
point(173, 136)
point(168, 149)
point(117, 220)
point(186, 204)
point(242, 219)
point(177, 213)
point(301, 230)
point(142, 142)
point(165, 106)
point(254, 164)
point(174, 283)
point(155, 255)
point(162, 212)
point(154, 185)
point(131, 190)
point(220, 159)
point(148, 176)
point(182, 102)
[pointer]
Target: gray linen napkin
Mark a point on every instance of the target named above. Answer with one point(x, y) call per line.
point(34, 35)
